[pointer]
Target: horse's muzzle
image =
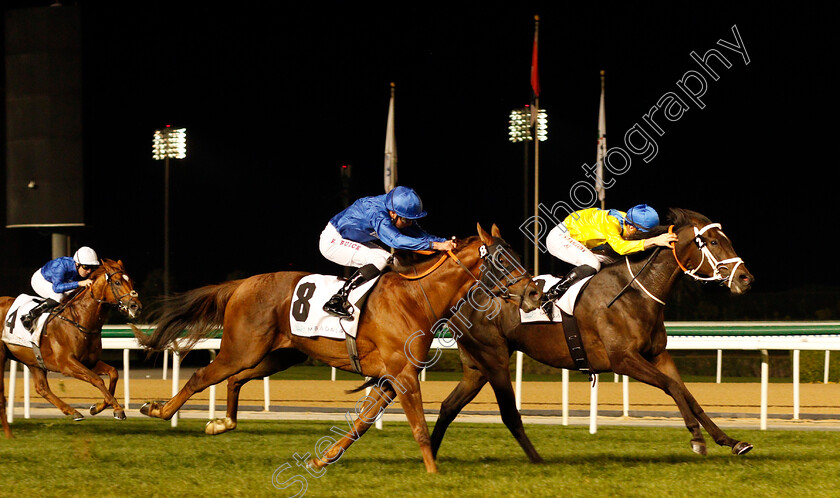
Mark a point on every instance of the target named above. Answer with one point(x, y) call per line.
point(741, 281)
point(531, 297)
point(133, 307)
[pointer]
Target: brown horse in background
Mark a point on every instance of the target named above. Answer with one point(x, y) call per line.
point(628, 337)
point(257, 341)
point(71, 342)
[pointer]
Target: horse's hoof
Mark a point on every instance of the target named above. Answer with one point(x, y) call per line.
point(316, 464)
point(147, 408)
point(219, 426)
point(119, 414)
point(741, 448)
point(698, 447)
point(78, 417)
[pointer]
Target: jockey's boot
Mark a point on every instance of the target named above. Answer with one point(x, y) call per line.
point(338, 304)
point(576, 275)
point(28, 320)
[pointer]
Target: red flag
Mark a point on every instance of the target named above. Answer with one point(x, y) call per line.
point(535, 78)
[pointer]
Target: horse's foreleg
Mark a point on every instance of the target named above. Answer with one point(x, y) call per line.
point(411, 400)
point(42, 387)
point(506, 398)
point(72, 367)
point(464, 392)
point(665, 364)
point(102, 368)
point(276, 361)
point(368, 410)
point(634, 365)
point(3, 418)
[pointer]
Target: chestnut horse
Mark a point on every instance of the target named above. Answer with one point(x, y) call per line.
point(627, 337)
point(257, 341)
point(71, 341)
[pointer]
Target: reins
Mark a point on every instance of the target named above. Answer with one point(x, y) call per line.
point(650, 258)
point(449, 254)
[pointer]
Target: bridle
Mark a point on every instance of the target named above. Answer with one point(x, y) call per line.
point(120, 303)
point(498, 276)
point(708, 257)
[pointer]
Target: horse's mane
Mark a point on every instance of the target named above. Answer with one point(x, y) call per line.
point(677, 217)
point(682, 217)
point(403, 259)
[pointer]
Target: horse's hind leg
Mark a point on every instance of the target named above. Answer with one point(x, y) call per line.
point(466, 390)
point(276, 361)
point(231, 360)
point(42, 387)
point(371, 407)
point(665, 364)
point(102, 368)
point(5, 421)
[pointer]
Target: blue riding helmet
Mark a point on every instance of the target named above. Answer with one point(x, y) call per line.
point(405, 202)
point(642, 217)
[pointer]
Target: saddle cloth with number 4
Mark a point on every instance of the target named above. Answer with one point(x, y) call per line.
point(307, 316)
point(13, 330)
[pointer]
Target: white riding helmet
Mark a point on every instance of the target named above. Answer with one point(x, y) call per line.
point(86, 256)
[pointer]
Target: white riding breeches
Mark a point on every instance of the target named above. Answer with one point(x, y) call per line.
point(350, 253)
point(562, 246)
point(44, 287)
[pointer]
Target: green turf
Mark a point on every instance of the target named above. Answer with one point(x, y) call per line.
point(140, 457)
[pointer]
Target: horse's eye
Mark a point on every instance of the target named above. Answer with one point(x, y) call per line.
point(117, 283)
point(714, 242)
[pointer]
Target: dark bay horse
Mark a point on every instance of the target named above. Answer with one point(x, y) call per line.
point(393, 339)
point(628, 337)
point(71, 342)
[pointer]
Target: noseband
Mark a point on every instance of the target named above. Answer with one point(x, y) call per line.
point(120, 303)
point(707, 256)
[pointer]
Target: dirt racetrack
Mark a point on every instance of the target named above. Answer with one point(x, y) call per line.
point(817, 401)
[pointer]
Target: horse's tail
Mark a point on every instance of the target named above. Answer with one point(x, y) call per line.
point(199, 312)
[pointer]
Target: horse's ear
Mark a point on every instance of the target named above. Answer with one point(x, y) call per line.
point(120, 263)
point(485, 237)
point(495, 231)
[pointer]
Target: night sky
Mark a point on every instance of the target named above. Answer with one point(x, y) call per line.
point(276, 98)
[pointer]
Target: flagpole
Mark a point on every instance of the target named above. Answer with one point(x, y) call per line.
point(536, 150)
point(390, 147)
point(602, 149)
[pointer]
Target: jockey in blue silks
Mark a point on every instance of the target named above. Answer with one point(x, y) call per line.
point(349, 238)
point(58, 277)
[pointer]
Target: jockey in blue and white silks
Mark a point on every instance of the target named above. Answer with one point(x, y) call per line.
point(349, 237)
point(58, 277)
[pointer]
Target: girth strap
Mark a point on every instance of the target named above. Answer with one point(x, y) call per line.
point(353, 353)
point(575, 343)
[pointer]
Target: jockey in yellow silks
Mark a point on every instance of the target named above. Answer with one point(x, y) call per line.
point(572, 240)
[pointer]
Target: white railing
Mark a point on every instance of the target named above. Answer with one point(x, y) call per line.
point(762, 343)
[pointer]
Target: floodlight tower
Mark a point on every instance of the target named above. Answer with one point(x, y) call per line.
point(169, 143)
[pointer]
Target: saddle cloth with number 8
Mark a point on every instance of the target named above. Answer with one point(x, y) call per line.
point(307, 316)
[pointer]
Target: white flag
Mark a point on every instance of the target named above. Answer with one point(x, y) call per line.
point(390, 149)
point(602, 148)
